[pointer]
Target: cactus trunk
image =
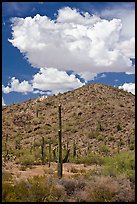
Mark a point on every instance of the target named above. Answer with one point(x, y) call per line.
point(37, 113)
point(6, 148)
point(60, 145)
point(74, 149)
point(49, 153)
point(42, 150)
point(54, 155)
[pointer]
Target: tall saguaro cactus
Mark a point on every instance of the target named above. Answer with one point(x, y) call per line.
point(6, 148)
point(42, 149)
point(37, 112)
point(49, 151)
point(60, 145)
point(74, 148)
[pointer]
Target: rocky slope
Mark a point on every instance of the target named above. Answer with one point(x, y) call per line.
point(98, 117)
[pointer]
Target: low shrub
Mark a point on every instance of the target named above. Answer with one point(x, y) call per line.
point(27, 159)
point(104, 148)
point(36, 189)
point(109, 189)
point(93, 135)
point(122, 163)
point(88, 159)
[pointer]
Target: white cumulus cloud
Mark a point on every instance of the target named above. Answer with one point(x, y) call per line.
point(3, 102)
point(50, 79)
point(57, 81)
point(129, 87)
point(74, 40)
point(87, 44)
point(17, 86)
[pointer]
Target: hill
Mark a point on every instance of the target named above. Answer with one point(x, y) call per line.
point(98, 126)
point(99, 117)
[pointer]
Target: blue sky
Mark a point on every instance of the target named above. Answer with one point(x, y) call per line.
point(52, 47)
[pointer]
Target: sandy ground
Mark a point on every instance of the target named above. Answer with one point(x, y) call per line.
point(69, 169)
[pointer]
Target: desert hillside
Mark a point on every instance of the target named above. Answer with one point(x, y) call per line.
point(94, 115)
point(98, 144)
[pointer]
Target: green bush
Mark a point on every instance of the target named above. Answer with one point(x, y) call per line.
point(131, 147)
point(36, 189)
point(88, 159)
point(122, 163)
point(104, 148)
point(27, 159)
point(8, 193)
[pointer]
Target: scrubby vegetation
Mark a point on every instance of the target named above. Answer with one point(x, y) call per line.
point(113, 180)
point(98, 148)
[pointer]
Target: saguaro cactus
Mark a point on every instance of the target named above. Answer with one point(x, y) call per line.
point(74, 148)
point(17, 144)
point(67, 143)
point(49, 151)
point(6, 148)
point(66, 157)
point(54, 155)
point(42, 149)
point(37, 112)
point(128, 142)
point(60, 145)
point(118, 147)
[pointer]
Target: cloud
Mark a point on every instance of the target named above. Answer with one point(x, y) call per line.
point(54, 80)
point(47, 81)
point(125, 12)
point(88, 76)
point(87, 44)
point(3, 102)
point(74, 40)
point(129, 87)
point(127, 47)
point(16, 86)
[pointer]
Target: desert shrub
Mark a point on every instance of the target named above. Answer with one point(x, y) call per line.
point(20, 152)
point(69, 185)
point(109, 189)
point(125, 192)
point(36, 189)
point(122, 163)
point(103, 189)
point(131, 147)
point(93, 135)
point(121, 143)
point(132, 139)
point(74, 130)
point(100, 195)
point(104, 148)
point(99, 126)
point(6, 176)
point(111, 138)
point(88, 159)
point(74, 170)
point(27, 159)
point(119, 127)
point(23, 168)
point(8, 194)
point(100, 137)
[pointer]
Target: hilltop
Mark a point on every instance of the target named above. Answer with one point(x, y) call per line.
point(95, 115)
